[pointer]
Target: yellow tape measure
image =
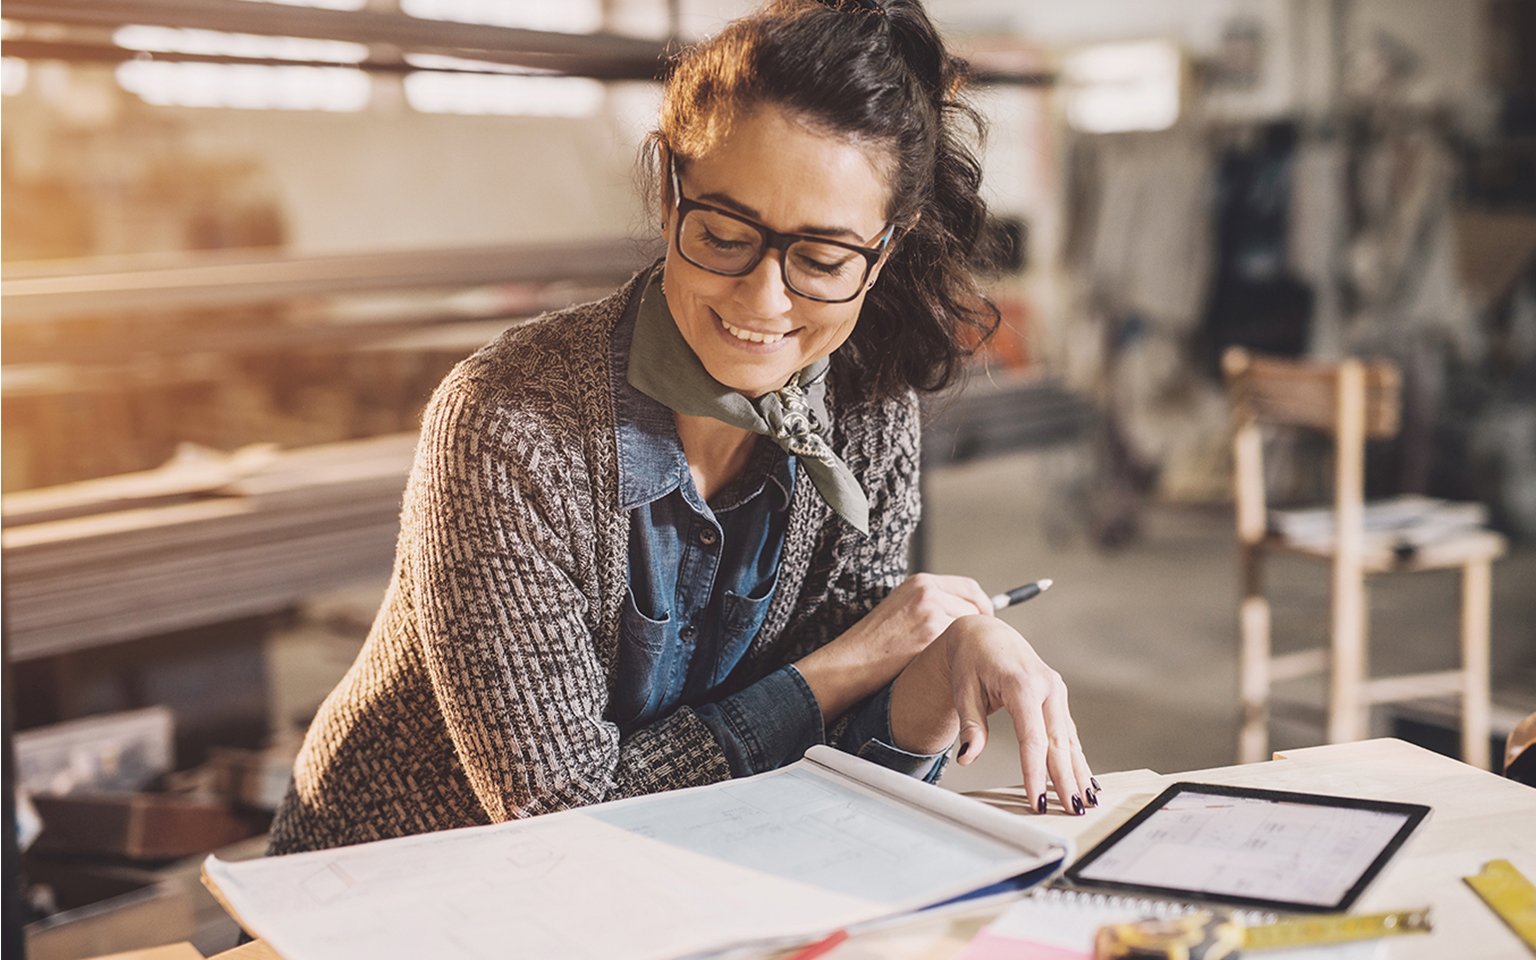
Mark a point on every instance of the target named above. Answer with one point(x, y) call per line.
point(1511, 896)
point(1214, 936)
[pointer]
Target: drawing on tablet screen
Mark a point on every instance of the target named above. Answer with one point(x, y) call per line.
point(1249, 847)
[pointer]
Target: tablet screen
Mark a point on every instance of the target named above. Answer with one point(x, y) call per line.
point(1267, 848)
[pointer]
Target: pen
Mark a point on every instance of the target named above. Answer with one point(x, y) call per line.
point(820, 946)
point(1019, 594)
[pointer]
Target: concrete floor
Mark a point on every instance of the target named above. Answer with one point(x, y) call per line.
point(1145, 635)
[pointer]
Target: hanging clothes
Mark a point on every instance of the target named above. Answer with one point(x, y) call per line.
point(1148, 248)
point(1256, 301)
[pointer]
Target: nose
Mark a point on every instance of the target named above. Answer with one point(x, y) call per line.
point(762, 292)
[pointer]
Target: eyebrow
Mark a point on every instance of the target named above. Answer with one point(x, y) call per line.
point(746, 211)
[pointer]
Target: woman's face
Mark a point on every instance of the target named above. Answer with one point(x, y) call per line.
point(751, 332)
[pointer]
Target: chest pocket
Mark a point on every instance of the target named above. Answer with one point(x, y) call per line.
point(741, 617)
point(647, 655)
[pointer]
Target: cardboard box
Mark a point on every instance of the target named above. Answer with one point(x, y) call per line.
point(140, 826)
point(254, 778)
point(144, 917)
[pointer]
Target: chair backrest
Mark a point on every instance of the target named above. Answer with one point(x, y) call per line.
point(1351, 399)
point(1306, 393)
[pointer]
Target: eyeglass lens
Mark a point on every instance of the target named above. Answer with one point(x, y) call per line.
point(730, 246)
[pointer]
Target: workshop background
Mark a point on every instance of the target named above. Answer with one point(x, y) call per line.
point(242, 241)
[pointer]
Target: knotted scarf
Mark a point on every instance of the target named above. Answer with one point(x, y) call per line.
point(663, 367)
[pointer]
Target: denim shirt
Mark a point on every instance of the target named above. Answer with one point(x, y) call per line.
point(701, 577)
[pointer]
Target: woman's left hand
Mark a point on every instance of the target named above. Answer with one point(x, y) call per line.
point(976, 667)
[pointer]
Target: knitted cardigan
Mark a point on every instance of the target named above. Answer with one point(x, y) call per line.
point(481, 691)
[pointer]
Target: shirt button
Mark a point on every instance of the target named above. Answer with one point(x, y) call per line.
point(689, 632)
point(708, 536)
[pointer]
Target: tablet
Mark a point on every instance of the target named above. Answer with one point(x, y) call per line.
point(1270, 849)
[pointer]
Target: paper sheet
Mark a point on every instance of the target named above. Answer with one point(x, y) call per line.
point(795, 852)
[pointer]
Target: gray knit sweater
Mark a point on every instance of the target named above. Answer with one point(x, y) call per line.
point(482, 691)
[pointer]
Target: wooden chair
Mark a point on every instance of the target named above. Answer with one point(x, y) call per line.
point(1350, 400)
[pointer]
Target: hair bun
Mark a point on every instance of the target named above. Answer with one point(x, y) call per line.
point(921, 48)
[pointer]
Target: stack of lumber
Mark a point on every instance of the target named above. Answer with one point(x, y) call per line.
point(198, 542)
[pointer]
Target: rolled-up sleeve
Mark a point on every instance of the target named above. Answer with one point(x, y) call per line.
point(867, 734)
point(774, 721)
point(767, 725)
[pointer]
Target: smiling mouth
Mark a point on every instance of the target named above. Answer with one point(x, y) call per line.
point(751, 336)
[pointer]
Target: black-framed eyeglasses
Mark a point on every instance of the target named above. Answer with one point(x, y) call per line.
point(729, 244)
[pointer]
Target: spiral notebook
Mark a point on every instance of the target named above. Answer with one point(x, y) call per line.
point(1054, 923)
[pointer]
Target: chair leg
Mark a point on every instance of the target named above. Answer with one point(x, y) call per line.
point(1476, 600)
point(1348, 710)
point(1253, 681)
point(1253, 666)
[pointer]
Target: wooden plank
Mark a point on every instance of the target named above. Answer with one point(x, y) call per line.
point(176, 482)
point(172, 951)
point(305, 520)
point(1415, 686)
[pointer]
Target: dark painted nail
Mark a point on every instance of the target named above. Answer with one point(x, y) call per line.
point(1040, 804)
point(1093, 798)
point(1095, 782)
point(1077, 804)
point(964, 747)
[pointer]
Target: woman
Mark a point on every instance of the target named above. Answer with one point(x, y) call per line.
point(659, 540)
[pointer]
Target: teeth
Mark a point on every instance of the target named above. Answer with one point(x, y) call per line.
point(751, 336)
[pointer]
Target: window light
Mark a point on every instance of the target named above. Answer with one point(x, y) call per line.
point(469, 93)
point(322, 4)
point(13, 75)
point(1118, 87)
point(216, 43)
point(565, 16)
point(245, 86)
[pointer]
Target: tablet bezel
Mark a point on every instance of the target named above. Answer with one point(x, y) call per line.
point(1415, 813)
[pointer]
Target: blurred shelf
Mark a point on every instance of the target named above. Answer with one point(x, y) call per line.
point(121, 285)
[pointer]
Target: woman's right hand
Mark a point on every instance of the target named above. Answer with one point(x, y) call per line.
point(877, 648)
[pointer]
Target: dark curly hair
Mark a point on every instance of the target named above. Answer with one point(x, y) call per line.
point(878, 75)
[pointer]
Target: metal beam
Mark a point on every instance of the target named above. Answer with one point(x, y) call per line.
point(35, 292)
point(108, 53)
point(603, 56)
point(600, 55)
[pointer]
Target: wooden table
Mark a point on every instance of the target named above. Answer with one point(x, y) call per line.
point(1477, 817)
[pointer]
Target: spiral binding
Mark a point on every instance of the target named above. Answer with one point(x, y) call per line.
point(1094, 900)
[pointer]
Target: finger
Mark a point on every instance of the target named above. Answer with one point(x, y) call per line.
point(937, 604)
point(973, 724)
point(1059, 725)
point(976, 599)
point(1080, 768)
point(1029, 727)
point(1084, 774)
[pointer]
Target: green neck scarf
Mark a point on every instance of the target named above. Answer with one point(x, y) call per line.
point(663, 367)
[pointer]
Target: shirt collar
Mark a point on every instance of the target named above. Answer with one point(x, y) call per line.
point(651, 461)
